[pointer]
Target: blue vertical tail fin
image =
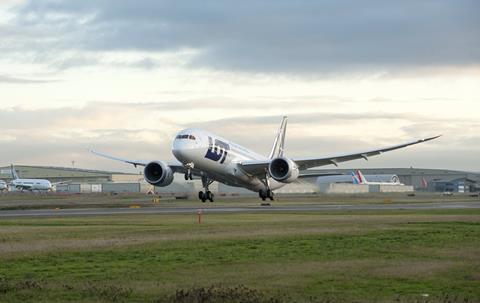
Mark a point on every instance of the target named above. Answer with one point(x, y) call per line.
point(354, 178)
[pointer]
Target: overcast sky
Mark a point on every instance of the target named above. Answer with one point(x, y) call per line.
point(124, 76)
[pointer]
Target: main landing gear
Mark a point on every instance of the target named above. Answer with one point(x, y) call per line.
point(207, 195)
point(204, 196)
point(264, 194)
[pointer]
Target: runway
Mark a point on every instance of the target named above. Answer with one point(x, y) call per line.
point(236, 209)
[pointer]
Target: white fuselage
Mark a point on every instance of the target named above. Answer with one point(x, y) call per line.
point(32, 184)
point(218, 158)
point(378, 179)
point(392, 179)
point(3, 186)
point(382, 183)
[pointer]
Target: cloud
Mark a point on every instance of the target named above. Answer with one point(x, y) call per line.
point(17, 80)
point(57, 136)
point(234, 68)
point(268, 36)
point(144, 131)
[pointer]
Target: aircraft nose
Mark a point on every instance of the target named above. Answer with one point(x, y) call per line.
point(178, 153)
point(182, 150)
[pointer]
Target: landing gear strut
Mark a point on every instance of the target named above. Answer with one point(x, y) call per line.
point(188, 175)
point(207, 195)
point(188, 171)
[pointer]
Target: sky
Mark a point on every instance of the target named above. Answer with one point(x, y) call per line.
point(124, 77)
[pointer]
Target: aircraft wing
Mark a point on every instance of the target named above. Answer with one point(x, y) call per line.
point(260, 167)
point(175, 166)
point(61, 182)
point(133, 162)
point(304, 163)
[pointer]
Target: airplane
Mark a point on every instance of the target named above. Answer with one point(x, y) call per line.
point(3, 186)
point(352, 178)
point(31, 184)
point(213, 158)
point(340, 178)
point(359, 178)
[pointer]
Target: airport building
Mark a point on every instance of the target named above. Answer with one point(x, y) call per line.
point(75, 175)
point(421, 179)
point(93, 181)
point(79, 180)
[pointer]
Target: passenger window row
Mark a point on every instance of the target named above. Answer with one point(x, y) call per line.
point(190, 137)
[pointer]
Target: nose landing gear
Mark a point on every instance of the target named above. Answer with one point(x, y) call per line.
point(188, 171)
point(188, 175)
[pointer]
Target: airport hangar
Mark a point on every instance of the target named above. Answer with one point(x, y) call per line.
point(88, 180)
point(437, 180)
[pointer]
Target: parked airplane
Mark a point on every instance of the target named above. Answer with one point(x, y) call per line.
point(3, 186)
point(31, 184)
point(352, 178)
point(359, 178)
point(212, 158)
point(349, 179)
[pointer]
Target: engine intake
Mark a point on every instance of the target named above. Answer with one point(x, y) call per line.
point(158, 173)
point(283, 170)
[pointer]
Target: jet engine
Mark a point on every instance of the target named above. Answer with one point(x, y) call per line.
point(158, 173)
point(283, 170)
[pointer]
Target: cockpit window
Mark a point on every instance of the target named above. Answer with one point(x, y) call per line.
point(190, 137)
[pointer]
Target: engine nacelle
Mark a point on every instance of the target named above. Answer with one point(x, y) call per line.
point(158, 173)
point(283, 170)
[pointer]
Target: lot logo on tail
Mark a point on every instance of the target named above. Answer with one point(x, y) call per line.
point(217, 151)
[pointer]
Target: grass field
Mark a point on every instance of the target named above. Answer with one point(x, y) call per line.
point(384, 256)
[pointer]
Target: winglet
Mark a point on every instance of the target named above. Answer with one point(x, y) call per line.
point(431, 138)
point(278, 148)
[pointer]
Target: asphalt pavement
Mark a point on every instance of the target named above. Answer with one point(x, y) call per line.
point(235, 209)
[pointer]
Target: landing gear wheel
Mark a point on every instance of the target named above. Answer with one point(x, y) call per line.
point(210, 196)
point(262, 194)
point(270, 194)
point(188, 175)
point(207, 195)
point(202, 196)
